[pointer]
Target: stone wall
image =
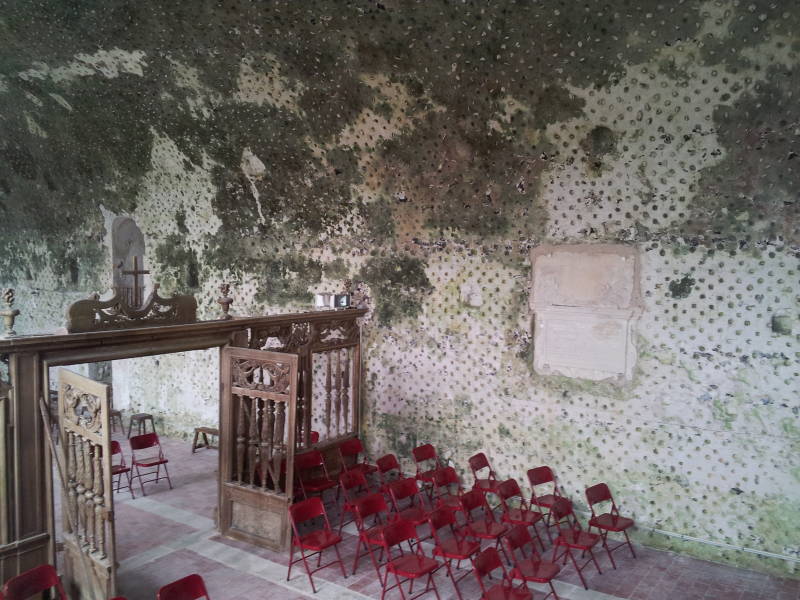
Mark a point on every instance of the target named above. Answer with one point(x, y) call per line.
point(425, 148)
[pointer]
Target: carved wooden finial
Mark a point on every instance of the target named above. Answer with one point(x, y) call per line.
point(9, 314)
point(225, 301)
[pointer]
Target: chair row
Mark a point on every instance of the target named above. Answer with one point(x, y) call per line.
point(44, 578)
point(150, 457)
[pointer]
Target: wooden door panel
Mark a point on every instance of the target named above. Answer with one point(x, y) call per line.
point(88, 499)
point(257, 426)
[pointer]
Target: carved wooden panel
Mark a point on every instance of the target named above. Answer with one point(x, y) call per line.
point(258, 406)
point(87, 492)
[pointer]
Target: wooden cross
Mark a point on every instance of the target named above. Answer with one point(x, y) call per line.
point(137, 299)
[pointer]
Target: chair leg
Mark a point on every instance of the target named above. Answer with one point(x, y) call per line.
point(453, 579)
point(130, 485)
point(341, 562)
point(194, 442)
point(169, 481)
point(628, 541)
point(139, 475)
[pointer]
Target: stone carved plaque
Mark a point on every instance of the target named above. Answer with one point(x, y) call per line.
point(585, 300)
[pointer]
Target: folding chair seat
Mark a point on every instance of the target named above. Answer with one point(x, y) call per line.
point(311, 474)
point(403, 490)
point(190, 587)
point(373, 506)
point(522, 514)
point(529, 568)
point(388, 470)
point(447, 490)
point(451, 547)
point(316, 541)
point(353, 485)
point(349, 451)
point(484, 565)
point(428, 464)
point(484, 527)
point(119, 469)
point(610, 521)
point(487, 484)
point(33, 582)
point(407, 567)
point(572, 537)
point(540, 476)
point(148, 460)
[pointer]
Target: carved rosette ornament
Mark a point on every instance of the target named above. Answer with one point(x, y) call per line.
point(82, 409)
point(261, 376)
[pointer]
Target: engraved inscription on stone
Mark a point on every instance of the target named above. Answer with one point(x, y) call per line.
point(585, 299)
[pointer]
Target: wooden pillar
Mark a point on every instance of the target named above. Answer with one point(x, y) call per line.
point(25, 507)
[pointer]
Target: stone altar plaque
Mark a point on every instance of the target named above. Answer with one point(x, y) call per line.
point(585, 300)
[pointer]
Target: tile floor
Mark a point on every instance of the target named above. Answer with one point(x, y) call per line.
point(170, 533)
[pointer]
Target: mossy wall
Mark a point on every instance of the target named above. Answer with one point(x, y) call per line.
point(423, 148)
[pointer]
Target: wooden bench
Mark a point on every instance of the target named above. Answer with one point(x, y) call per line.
point(205, 432)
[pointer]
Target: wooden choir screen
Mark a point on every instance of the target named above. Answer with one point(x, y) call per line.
point(259, 402)
point(329, 382)
point(89, 567)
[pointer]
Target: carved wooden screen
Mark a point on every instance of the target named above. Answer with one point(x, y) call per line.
point(88, 500)
point(258, 406)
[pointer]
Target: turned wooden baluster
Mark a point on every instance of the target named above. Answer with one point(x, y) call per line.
point(346, 390)
point(278, 440)
point(337, 394)
point(299, 411)
point(328, 395)
point(241, 431)
point(99, 504)
point(89, 493)
point(80, 488)
point(265, 458)
point(72, 503)
point(252, 445)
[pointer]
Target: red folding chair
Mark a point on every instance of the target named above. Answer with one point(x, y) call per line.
point(407, 491)
point(529, 567)
point(572, 537)
point(386, 465)
point(311, 474)
point(487, 484)
point(316, 541)
point(542, 476)
point(446, 491)
point(121, 468)
point(522, 514)
point(450, 544)
point(609, 521)
point(32, 582)
point(427, 464)
point(190, 587)
point(353, 484)
point(349, 451)
point(373, 506)
point(487, 563)
point(148, 460)
point(407, 567)
point(485, 527)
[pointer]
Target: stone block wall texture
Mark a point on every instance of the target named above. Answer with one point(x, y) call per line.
point(424, 148)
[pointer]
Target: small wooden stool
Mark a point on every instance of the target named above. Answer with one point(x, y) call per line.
point(116, 416)
point(205, 432)
point(141, 423)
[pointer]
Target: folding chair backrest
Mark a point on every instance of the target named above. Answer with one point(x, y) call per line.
point(351, 447)
point(443, 479)
point(116, 448)
point(478, 463)
point(33, 582)
point(471, 500)
point(400, 489)
point(398, 532)
point(441, 517)
point(374, 504)
point(351, 480)
point(598, 493)
point(561, 511)
point(509, 489)
point(485, 563)
point(425, 453)
point(540, 476)
point(307, 510)
point(144, 441)
point(190, 587)
point(308, 460)
point(517, 538)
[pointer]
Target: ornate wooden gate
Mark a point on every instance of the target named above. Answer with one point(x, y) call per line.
point(258, 404)
point(87, 494)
